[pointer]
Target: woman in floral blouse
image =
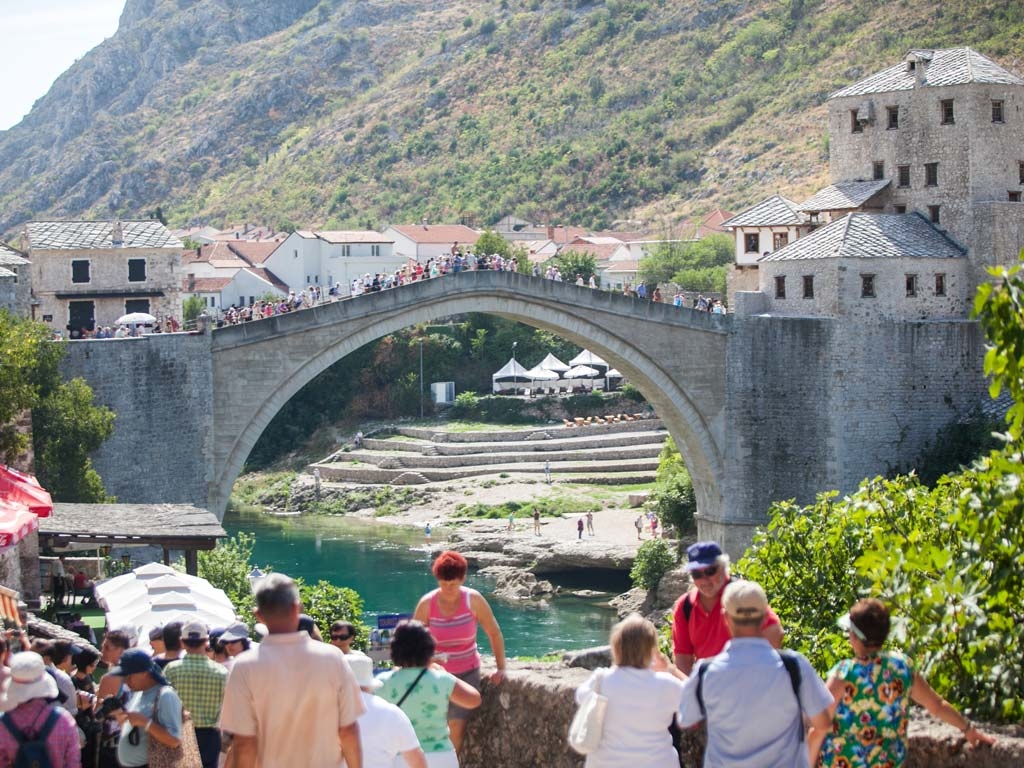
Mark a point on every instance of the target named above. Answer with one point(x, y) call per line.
point(872, 693)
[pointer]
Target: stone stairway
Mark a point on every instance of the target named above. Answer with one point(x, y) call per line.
point(607, 453)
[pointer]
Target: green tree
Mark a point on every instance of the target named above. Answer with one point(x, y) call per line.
point(673, 499)
point(28, 365)
point(490, 243)
point(653, 560)
point(576, 263)
point(697, 265)
point(227, 566)
point(66, 428)
point(191, 308)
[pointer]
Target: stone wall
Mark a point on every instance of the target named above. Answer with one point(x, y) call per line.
point(159, 387)
point(820, 404)
point(523, 724)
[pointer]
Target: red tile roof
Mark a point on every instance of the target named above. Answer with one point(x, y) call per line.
point(438, 233)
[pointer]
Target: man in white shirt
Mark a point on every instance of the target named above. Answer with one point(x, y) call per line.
point(292, 700)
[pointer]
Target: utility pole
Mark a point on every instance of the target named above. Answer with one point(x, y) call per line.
point(421, 377)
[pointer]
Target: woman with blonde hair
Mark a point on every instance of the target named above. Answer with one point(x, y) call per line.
point(644, 690)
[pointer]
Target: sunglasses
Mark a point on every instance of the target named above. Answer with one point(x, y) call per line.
point(341, 637)
point(704, 573)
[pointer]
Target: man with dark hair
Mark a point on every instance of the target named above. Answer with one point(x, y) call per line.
point(288, 674)
point(753, 697)
point(115, 643)
point(200, 682)
point(172, 645)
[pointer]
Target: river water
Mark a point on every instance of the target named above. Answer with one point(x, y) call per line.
point(390, 569)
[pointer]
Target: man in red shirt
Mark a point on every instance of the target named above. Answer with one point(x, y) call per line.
point(698, 628)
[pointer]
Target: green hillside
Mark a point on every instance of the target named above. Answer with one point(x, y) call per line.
point(359, 113)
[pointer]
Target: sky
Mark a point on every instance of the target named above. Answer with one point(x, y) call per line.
point(41, 40)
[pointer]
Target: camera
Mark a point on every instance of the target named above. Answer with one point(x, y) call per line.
point(110, 704)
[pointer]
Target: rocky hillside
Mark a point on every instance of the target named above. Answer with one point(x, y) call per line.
point(346, 113)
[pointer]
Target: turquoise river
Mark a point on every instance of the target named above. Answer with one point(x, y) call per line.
point(390, 568)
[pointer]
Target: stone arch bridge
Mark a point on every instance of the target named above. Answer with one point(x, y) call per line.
point(761, 408)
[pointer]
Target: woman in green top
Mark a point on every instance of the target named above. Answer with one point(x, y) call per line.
point(423, 691)
point(872, 692)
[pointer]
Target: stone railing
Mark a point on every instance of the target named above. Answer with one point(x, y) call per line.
point(523, 724)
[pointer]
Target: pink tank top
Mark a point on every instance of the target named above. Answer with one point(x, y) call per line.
point(455, 635)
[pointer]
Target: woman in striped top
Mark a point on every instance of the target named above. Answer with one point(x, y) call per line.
point(452, 612)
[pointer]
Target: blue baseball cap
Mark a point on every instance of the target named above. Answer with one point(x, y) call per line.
point(137, 660)
point(702, 554)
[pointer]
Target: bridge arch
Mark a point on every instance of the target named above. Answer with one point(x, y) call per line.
point(676, 358)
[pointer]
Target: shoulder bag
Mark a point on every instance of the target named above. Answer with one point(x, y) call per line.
point(588, 723)
point(186, 755)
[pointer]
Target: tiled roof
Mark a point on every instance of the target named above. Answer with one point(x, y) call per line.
point(776, 211)
point(83, 235)
point(361, 236)
point(231, 253)
point(952, 66)
point(843, 195)
point(598, 250)
point(871, 236)
point(625, 266)
point(206, 284)
point(10, 257)
point(6, 273)
point(265, 274)
point(438, 233)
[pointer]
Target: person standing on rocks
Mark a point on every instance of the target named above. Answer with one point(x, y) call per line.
point(547, 471)
point(579, 528)
point(536, 522)
point(590, 523)
point(639, 523)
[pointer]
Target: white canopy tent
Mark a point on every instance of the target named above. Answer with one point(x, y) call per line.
point(511, 373)
point(552, 363)
point(588, 358)
point(537, 373)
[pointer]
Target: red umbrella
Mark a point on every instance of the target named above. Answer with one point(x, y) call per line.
point(17, 486)
point(16, 522)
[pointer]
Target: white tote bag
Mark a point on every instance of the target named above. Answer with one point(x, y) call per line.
point(588, 722)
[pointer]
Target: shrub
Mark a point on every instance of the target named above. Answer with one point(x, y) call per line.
point(653, 560)
point(327, 603)
point(673, 499)
point(632, 393)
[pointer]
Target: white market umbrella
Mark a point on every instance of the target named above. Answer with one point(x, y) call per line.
point(582, 372)
point(142, 592)
point(146, 572)
point(136, 318)
point(552, 363)
point(173, 606)
point(613, 373)
point(537, 373)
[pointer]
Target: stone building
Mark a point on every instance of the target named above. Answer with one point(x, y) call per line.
point(89, 273)
point(937, 138)
point(15, 282)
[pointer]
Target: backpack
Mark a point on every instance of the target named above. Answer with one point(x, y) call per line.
point(32, 753)
point(792, 667)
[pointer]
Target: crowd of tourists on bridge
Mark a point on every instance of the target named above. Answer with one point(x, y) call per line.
point(213, 697)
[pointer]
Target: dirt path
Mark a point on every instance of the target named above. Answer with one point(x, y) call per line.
point(613, 522)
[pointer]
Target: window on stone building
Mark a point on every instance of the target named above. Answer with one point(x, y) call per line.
point(136, 305)
point(780, 286)
point(856, 126)
point(375, 251)
point(911, 285)
point(940, 284)
point(878, 169)
point(1020, 173)
point(867, 286)
point(933, 214)
point(1014, 196)
point(80, 271)
point(900, 208)
point(752, 242)
point(346, 250)
point(997, 111)
point(894, 117)
point(946, 108)
point(136, 270)
point(931, 174)
point(780, 240)
point(808, 286)
point(903, 175)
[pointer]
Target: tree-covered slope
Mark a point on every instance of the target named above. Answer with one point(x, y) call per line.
point(348, 113)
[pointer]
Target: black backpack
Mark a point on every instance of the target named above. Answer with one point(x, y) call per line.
point(32, 752)
point(792, 667)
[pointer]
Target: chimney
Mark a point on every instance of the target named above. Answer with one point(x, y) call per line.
point(117, 234)
point(551, 232)
point(191, 282)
